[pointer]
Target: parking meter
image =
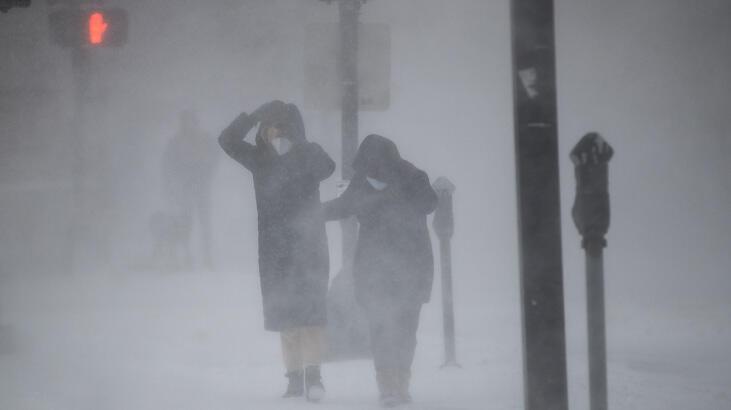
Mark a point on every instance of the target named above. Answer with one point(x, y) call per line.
point(591, 207)
point(443, 224)
point(591, 216)
point(444, 215)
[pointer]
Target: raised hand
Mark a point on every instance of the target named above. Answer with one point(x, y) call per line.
point(269, 111)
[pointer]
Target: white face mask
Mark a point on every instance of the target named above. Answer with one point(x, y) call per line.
point(281, 145)
point(376, 184)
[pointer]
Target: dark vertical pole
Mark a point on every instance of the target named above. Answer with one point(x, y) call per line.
point(536, 142)
point(596, 327)
point(349, 11)
point(443, 224)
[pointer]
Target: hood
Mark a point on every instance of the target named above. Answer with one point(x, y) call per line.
point(291, 118)
point(377, 157)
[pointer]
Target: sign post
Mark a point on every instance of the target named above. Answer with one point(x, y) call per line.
point(539, 210)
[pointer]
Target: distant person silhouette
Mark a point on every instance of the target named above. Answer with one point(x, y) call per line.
point(188, 164)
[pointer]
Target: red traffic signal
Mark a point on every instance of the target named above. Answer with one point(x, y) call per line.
point(106, 27)
point(97, 28)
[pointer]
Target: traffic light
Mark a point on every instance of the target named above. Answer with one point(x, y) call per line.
point(98, 27)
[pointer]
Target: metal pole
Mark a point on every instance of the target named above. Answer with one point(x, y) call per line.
point(443, 224)
point(450, 353)
point(349, 12)
point(596, 327)
point(539, 217)
point(81, 69)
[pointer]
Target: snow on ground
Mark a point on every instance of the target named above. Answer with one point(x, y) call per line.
point(194, 341)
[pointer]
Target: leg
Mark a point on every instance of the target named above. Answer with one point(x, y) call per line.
point(204, 224)
point(291, 349)
point(312, 344)
point(292, 354)
point(408, 324)
point(381, 320)
point(182, 225)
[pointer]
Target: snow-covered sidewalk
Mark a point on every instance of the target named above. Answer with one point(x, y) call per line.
point(195, 341)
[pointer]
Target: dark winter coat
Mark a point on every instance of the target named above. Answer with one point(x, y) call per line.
point(393, 260)
point(293, 252)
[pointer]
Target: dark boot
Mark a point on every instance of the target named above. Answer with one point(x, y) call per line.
point(314, 389)
point(296, 386)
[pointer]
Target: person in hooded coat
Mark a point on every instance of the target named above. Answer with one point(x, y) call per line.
point(394, 264)
point(188, 165)
point(293, 251)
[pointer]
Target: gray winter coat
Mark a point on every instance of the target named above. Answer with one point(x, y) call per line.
point(293, 252)
point(393, 261)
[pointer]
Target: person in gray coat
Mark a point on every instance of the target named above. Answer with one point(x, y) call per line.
point(293, 249)
point(394, 264)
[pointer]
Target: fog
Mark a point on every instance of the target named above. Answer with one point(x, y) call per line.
point(102, 327)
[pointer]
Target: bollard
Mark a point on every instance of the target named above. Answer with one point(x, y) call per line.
point(591, 217)
point(443, 224)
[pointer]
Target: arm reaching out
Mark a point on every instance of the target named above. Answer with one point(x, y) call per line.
point(342, 206)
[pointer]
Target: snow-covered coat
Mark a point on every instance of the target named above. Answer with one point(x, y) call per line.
point(293, 252)
point(393, 262)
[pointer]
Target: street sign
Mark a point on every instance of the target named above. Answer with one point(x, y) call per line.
point(323, 87)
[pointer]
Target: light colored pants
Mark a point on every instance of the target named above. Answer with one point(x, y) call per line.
point(302, 346)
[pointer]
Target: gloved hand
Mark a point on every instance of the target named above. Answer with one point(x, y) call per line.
point(238, 122)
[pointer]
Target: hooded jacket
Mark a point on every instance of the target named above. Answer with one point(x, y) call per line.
point(293, 253)
point(393, 262)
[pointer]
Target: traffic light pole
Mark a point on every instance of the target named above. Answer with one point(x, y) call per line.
point(539, 218)
point(89, 235)
point(80, 26)
point(81, 69)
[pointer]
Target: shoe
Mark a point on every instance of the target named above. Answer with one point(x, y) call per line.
point(296, 386)
point(314, 389)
